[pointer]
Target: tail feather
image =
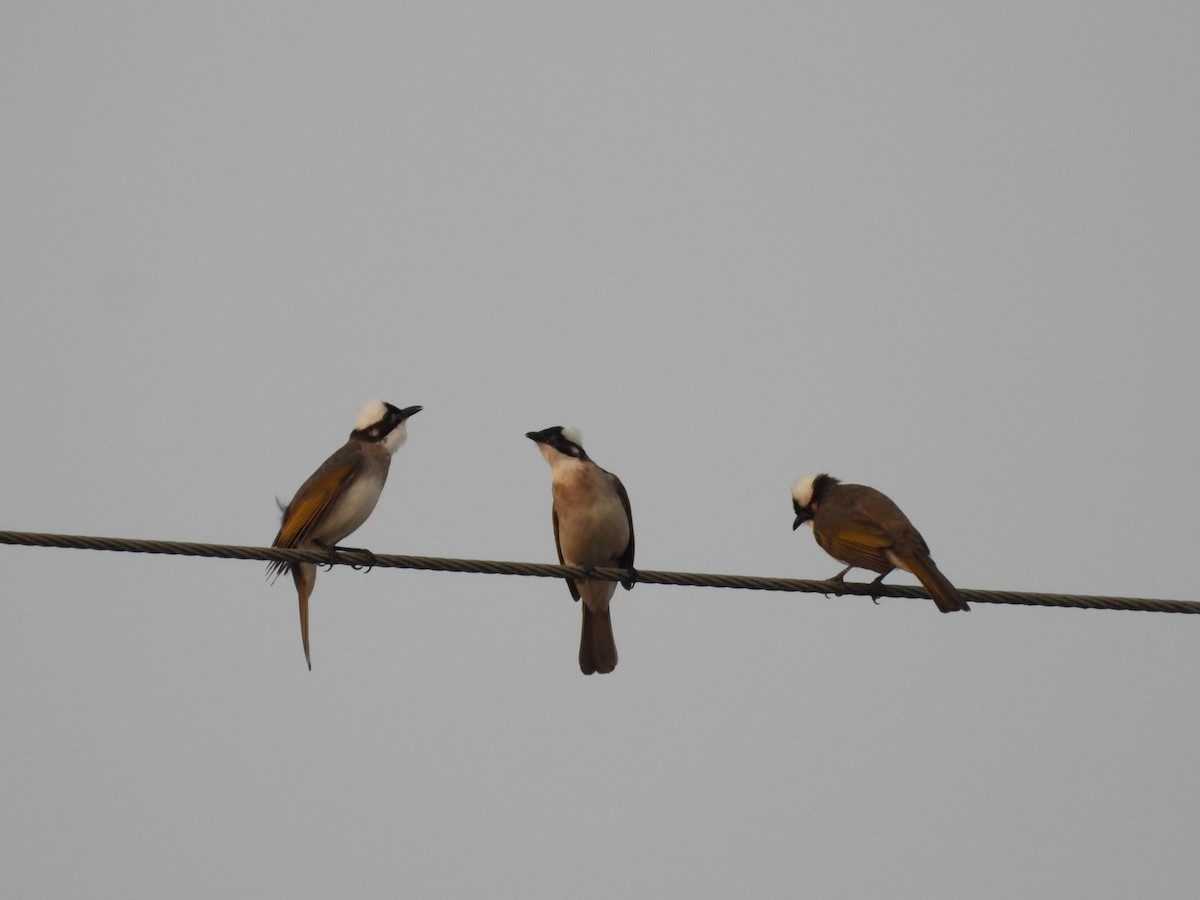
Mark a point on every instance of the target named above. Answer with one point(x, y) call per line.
point(305, 577)
point(597, 647)
point(944, 594)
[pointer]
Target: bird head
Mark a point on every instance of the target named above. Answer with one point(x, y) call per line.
point(558, 441)
point(382, 422)
point(806, 496)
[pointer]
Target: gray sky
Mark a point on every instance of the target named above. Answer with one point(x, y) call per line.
point(949, 250)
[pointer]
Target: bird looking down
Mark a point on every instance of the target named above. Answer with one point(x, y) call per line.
point(863, 528)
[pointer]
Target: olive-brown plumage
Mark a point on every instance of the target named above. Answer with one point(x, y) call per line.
point(863, 528)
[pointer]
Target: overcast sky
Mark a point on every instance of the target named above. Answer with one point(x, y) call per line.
point(948, 250)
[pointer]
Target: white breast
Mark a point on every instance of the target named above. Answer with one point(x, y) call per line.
point(593, 528)
point(351, 509)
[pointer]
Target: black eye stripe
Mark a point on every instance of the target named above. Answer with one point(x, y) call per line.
point(376, 432)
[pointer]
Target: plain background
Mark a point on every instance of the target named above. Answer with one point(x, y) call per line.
point(949, 250)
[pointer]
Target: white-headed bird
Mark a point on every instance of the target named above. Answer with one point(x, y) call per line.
point(339, 496)
point(863, 528)
point(593, 526)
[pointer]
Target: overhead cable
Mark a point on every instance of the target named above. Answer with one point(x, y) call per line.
point(364, 559)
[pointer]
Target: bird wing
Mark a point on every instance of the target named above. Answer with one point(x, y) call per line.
point(558, 547)
point(854, 539)
point(625, 561)
point(913, 537)
point(313, 501)
point(903, 534)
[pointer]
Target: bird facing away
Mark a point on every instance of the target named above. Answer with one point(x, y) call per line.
point(593, 526)
point(863, 528)
point(338, 497)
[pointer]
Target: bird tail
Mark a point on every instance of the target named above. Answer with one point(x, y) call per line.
point(944, 594)
point(305, 576)
point(597, 647)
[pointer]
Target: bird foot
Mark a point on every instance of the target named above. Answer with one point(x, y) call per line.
point(336, 557)
point(840, 581)
point(878, 582)
point(361, 566)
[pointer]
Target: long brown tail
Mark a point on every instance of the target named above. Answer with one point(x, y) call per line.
point(597, 647)
point(305, 576)
point(944, 594)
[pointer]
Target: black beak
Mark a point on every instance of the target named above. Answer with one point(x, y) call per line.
point(409, 411)
point(538, 437)
point(802, 516)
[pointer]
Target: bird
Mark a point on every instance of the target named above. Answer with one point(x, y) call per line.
point(863, 528)
point(593, 526)
point(338, 497)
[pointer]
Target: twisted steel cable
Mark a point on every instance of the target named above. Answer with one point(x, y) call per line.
point(365, 559)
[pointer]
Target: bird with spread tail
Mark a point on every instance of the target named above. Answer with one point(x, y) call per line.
point(863, 528)
point(340, 495)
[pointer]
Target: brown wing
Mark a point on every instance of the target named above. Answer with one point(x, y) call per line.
point(558, 548)
point(313, 500)
point(882, 513)
point(847, 534)
point(625, 561)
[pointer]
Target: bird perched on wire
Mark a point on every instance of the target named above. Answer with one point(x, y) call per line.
point(863, 528)
point(340, 495)
point(593, 526)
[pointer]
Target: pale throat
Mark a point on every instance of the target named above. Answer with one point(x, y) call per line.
point(394, 438)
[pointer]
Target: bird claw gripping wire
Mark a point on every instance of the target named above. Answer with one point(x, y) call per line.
point(878, 582)
point(336, 558)
point(840, 580)
point(362, 566)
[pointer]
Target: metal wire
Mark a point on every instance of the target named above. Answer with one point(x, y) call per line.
point(365, 559)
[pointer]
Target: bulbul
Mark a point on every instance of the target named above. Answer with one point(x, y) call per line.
point(863, 528)
point(338, 497)
point(593, 526)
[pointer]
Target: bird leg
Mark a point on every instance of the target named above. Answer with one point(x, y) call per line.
point(359, 567)
point(840, 580)
point(878, 582)
point(335, 557)
point(333, 560)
